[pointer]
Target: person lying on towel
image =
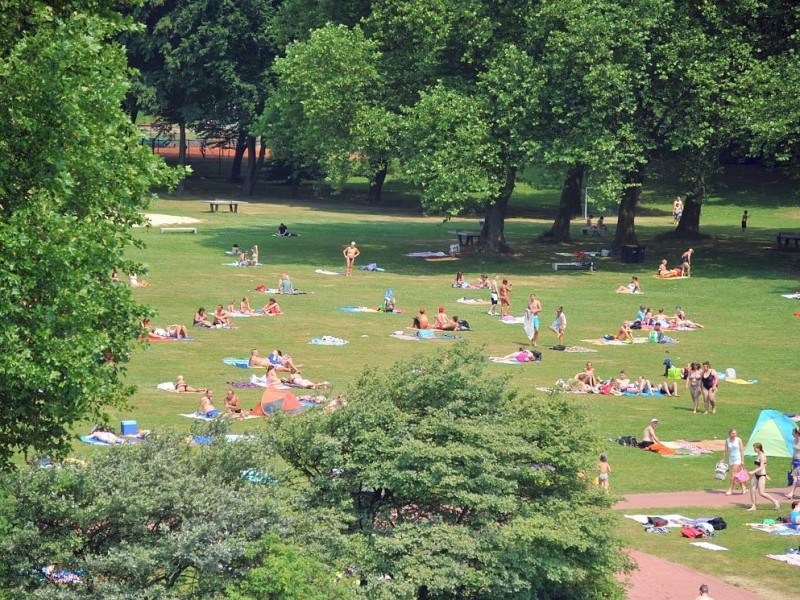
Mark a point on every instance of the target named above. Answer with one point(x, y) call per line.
point(666, 273)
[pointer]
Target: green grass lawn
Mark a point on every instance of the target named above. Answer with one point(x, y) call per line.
point(734, 291)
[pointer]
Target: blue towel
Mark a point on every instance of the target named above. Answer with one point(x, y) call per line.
point(242, 363)
point(90, 440)
point(645, 395)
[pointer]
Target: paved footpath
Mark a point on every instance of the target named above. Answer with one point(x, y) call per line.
point(659, 579)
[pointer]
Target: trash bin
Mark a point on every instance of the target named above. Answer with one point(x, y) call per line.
point(632, 254)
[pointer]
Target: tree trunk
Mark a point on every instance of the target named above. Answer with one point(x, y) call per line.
point(689, 225)
point(181, 154)
point(568, 206)
point(626, 217)
point(238, 155)
point(252, 161)
point(492, 235)
point(376, 185)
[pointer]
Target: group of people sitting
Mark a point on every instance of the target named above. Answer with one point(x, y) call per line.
point(441, 321)
point(684, 270)
point(222, 316)
point(600, 228)
point(646, 319)
point(482, 283)
point(175, 331)
point(243, 259)
point(587, 381)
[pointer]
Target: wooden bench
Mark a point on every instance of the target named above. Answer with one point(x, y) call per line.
point(593, 231)
point(179, 230)
point(233, 205)
point(785, 238)
point(466, 238)
point(573, 265)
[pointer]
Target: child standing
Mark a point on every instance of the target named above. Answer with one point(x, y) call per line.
point(605, 470)
point(745, 216)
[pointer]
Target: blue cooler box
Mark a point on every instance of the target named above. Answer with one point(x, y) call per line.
point(128, 428)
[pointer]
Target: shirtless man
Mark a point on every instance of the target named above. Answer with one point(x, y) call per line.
point(444, 322)
point(494, 288)
point(649, 436)
point(350, 253)
point(623, 382)
point(206, 407)
point(421, 320)
point(505, 300)
point(535, 307)
point(298, 380)
point(677, 210)
point(256, 360)
point(232, 406)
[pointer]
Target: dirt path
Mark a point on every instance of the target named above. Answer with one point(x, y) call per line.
point(660, 579)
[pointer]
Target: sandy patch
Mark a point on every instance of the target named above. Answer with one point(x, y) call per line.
point(157, 220)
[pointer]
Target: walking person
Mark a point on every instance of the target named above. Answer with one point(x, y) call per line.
point(532, 319)
point(494, 294)
point(694, 381)
point(709, 379)
point(758, 483)
point(559, 325)
point(795, 462)
point(605, 470)
point(677, 210)
point(733, 455)
point(745, 216)
point(505, 299)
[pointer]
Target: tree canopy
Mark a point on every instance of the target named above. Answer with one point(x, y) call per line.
point(72, 180)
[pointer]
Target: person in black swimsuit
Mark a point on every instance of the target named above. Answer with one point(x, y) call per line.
point(709, 381)
point(759, 479)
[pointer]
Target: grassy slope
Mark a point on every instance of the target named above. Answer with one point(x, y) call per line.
point(734, 292)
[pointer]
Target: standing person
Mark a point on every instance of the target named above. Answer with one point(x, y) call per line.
point(758, 482)
point(694, 381)
point(254, 256)
point(745, 216)
point(795, 462)
point(532, 319)
point(677, 210)
point(505, 300)
point(494, 295)
point(686, 262)
point(605, 470)
point(559, 325)
point(649, 436)
point(710, 381)
point(704, 593)
point(733, 455)
point(350, 253)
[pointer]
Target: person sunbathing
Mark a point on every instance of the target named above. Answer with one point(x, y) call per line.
point(272, 308)
point(632, 288)
point(244, 307)
point(231, 308)
point(421, 320)
point(232, 406)
point(206, 407)
point(587, 376)
point(285, 285)
point(243, 259)
point(256, 360)
point(666, 273)
point(221, 317)
point(622, 382)
point(681, 320)
point(668, 388)
point(201, 319)
point(298, 380)
point(459, 282)
point(134, 281)
point(624, 334)
point(171, 331)
point(283, 363)
point(181, 386)
point(483, 281)
point(641, 386)
point(522, 355)
point(444, 322)
point(107, 436)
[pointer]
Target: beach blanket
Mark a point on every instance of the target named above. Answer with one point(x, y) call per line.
point(86, 439)
point(741, 381)
point(328, 340)
point(644, 394)
point(428, 254)
point(325, 272)
point(359, 309)
point(205, 440)
point(509, 320)
point(682, 449)
point(370, 267)
point(277, 291)
point(242, 363)
point(578, 253)
point(162, 338)
point(442, 258)
point(789, 559)
point(465, 300)
point(709, 546)
point(777, 528)
point(605, 342)
point(670, 328)
point(167, 386)
point(510, 361)
point(791, 296)
point(240, 315)
point(194, 415)
point(527, 324)
point(237, 264)
point(401, 335)
point(673, 278)
point(572, 349)
point(672, 520)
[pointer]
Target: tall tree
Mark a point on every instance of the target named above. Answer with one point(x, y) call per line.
point(457, 487)
point(72, 180)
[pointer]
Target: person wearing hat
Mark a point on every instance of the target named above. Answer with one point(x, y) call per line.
point(350, 252)
point(649, 436)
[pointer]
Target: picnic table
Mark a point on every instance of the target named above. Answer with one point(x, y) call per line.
point(466, 238)
point(233, 205)
point(785, 238)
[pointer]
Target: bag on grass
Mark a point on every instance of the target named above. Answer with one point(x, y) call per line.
point(691, 532)
point(657, 521)
point(718, 523)
point(706, 528)
point(721, 470)
point(463, 325)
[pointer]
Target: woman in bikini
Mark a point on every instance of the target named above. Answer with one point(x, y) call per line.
point(632, 288)
point(244, 307)
point(694, 381)
point(201, 318)
point(182, 387)
point(758, 481)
